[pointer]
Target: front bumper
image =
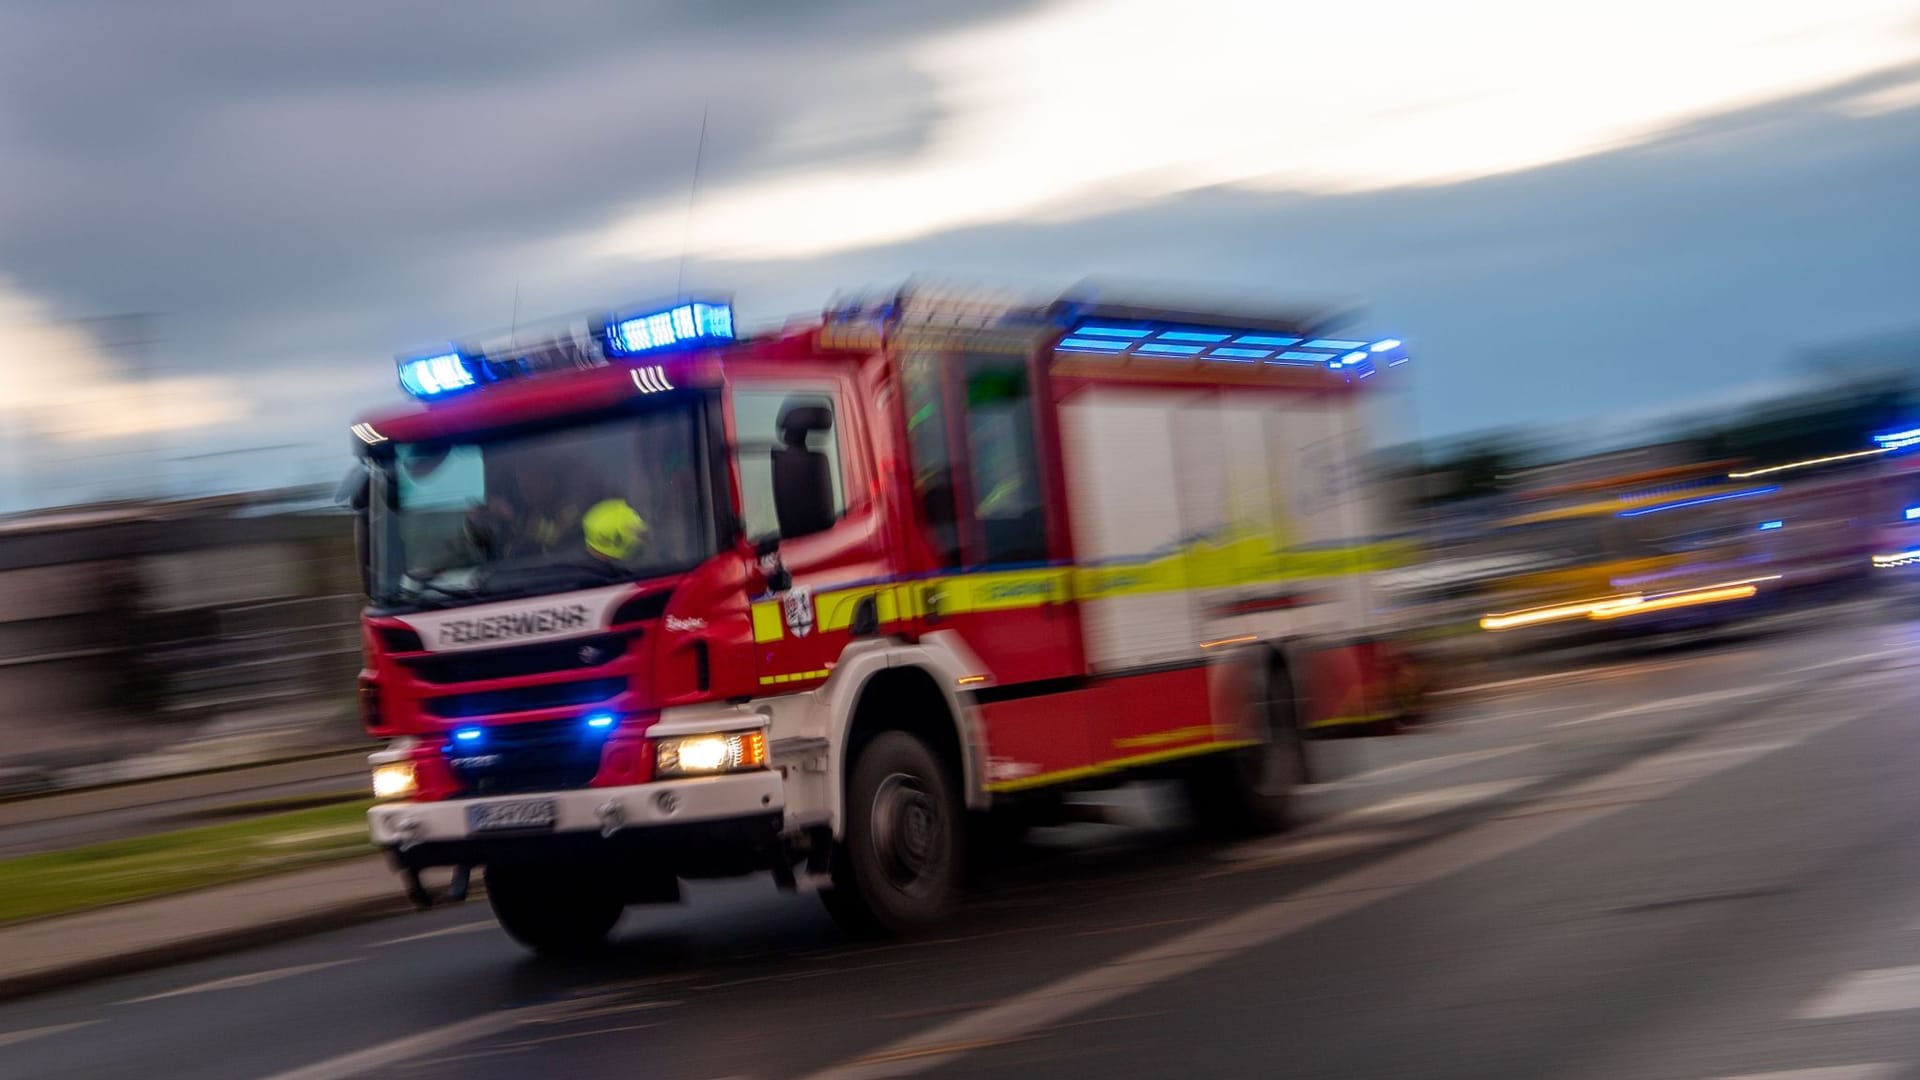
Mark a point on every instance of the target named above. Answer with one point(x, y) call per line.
point(695, 827)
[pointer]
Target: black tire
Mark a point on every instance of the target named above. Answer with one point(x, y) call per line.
point(901, 863)
point(1250, 791)
point(557, 911)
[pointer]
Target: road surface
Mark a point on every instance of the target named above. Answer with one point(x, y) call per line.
point(1689, 865)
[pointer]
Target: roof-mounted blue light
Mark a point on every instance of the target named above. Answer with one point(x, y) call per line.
point(1898, 440)
point(681, 326)
point(470, 734)
point(438, 375)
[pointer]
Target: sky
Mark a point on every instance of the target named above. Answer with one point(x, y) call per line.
point(222, 218)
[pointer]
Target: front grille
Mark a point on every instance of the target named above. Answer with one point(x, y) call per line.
point(570, 655)
point(524, 698)
point(551, 755)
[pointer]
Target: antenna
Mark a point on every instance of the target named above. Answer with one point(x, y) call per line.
point(513, 332)
point(693, 189)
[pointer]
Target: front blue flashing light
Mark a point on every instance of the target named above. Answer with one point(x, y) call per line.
point(1913, 513)
point(1388, 345)
point(682, 325)
point(1768, 526)
point(468, 734)
point(437, 375)
point(600, 721)
point(1701, 501)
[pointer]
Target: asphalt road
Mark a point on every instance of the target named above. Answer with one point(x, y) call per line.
point(1688, 864)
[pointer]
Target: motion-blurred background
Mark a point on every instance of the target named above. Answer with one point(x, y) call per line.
point(1637, 250)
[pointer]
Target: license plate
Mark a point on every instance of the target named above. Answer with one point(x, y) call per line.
point(524, 814)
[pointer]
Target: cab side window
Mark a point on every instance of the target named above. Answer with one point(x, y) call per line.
point(758, 440)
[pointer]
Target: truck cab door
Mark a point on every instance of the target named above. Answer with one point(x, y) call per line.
point(996, 561)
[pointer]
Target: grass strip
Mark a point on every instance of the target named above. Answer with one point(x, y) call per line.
point(117, 871)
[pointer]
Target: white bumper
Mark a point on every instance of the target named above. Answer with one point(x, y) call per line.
point(667, 802)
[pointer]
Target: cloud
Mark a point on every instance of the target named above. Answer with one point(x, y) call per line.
point(1090, 106)
point(57, 381)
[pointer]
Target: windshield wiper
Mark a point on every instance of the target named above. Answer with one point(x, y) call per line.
point(446, 594)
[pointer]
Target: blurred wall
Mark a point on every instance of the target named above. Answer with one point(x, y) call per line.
point(127, 629)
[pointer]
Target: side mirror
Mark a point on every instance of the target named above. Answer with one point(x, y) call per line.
point(353, 493)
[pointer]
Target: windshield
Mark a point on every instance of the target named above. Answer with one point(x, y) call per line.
point(567, 508)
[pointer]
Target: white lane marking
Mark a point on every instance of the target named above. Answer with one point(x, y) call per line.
point(463, 928)
point(1844, 661)
point(1186, 953)
point(1421, 766)
point(1879, 990)
point(1673, 703)
point(236, 982)
point(1878, 1071)
point(8, 1038)
point(1421, 804)
point(388, 1054)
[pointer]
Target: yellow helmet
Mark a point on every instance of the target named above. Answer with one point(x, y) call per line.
point(614, 529)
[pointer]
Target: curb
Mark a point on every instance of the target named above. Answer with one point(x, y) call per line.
point(137, 961)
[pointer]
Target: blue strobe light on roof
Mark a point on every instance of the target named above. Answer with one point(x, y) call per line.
point(438, 375)
point(679, 326)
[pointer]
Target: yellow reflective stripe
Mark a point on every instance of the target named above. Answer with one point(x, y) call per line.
point(768, 623)
point(1247, 561)
point(794, 676)
point(1162, 738)
point(1339, 721)
point(1065, 775)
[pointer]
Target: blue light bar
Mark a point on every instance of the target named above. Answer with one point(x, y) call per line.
point(468, 734)
point(1264, 339)
point(681, 325)
point(1091, 344)
point(1189, 335)
point(1156, 349)
point(1767, 526)
point(1898, 440)
point(1335, 343)
point(1385, 346)
point(1243, 354)
point(1701, 501)
point(600, 721)
point(1114, 331)
point(1913, 513)
point(1318, 358)
point(437, 375)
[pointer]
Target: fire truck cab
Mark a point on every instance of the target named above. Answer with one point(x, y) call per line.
point(653, 601)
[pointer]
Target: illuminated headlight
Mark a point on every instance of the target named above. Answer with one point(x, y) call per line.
point(394, 781)
point(695, 755)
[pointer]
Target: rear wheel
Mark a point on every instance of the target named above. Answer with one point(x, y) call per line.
point(898, 869)
point(1251, 790)
point(558, 911)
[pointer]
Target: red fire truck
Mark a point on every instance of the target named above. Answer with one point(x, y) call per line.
point(656, 601)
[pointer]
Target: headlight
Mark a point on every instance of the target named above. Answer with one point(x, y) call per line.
point(692, 755)
point(393, 781)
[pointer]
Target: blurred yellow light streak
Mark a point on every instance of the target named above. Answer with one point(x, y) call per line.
point(1806, 463)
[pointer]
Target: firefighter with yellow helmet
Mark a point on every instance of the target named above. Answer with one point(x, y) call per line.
point(613, 530)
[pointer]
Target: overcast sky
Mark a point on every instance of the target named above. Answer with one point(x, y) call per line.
point(1575, 217)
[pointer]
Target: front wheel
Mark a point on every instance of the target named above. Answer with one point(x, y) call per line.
point(1250, 791)
point(557, 911)
point(899, 868)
